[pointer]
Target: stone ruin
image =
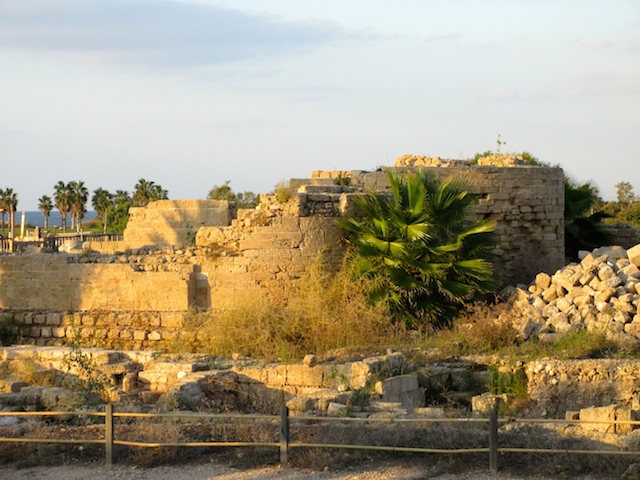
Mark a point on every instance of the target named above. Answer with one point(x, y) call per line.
point(181, 256)
point(184, 256)
point(601, 293)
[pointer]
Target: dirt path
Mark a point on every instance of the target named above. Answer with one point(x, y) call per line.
point(385, 471)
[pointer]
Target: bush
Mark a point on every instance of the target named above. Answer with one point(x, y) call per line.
point(325, 311)
point(420, 250)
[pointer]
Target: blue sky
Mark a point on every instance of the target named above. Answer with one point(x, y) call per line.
point(192, 93)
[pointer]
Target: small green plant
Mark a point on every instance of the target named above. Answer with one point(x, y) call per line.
point(190, 237)
point(513, 383)
point(80, 365)
point(343, 179)
point(342, 378)
point(283, 191)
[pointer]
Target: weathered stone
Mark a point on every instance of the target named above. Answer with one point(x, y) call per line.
point(634, 255)
point(337, 410)
point(601, 415)
point(301, 404)
point(310, 360)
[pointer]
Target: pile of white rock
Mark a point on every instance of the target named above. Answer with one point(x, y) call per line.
point(601, 293)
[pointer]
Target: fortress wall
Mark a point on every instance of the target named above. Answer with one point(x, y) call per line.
point(141, 296)
point(173, 222)
point(60, 282)
point(271, 258)
point(526, 202)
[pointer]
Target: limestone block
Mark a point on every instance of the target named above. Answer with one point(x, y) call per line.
point(543, 280)
point(54, 319)
point(599, 414)
point(301, 404)
point(304, 376)
point(625, 415)
point(154, 336)
point(482, 404)
point(337, 410)
point(634, 255)
point(140, 335)
point(58, 332)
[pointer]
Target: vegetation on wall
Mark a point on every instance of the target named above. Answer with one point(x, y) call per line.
point(424, 256)
point(325, 311)
point(245, 199)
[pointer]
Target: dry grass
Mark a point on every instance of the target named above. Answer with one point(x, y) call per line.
point(325, 312)
point(430, 435)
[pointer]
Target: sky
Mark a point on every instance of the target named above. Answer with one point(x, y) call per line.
point(190, 94)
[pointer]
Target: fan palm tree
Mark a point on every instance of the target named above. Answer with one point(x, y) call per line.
point(10, 202)
point(159, 193)
point(4, 207)
point(427, 259)
point(121, 197)
point(101, 201)
point(78, 196)
point(45, 205)
point(62, 201)
point(583, 230)
point(142, 193)
point(147, 191)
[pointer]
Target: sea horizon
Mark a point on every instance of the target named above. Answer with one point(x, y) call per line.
point(35, 218)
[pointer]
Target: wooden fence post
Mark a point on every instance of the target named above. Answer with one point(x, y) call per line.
point(108, 434)
point(493, 439)
point(284, 435)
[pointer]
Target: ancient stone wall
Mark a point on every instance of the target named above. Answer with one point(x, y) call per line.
point(560, 385)
point(526, 202)
point(173, 222)
point(239, 255)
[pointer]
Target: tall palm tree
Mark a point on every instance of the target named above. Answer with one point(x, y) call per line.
point(4, 206)
point(10, 199)
point(78, 195)
point(142, 192)
point(583, 229)
point(101, 201)
point(159, 193)
point(147, 191)
point(45, 205)
point(121, 197)
point(427, 259)
point(62, 201)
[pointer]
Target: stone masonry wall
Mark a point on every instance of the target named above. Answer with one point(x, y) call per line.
point(173, 222)
point(526, 202)
point(559, 385)
point(260, 251)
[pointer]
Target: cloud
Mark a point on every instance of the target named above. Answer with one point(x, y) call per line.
point(618, 83)
point(502, 94)
point(443, 38)
point(595, 44)
point(626, 45)
point(167, 33)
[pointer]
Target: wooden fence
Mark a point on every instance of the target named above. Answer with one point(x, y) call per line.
point(285, 444)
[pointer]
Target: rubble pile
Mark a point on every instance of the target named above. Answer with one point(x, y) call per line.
point(601, 293)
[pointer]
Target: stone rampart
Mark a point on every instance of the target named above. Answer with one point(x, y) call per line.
point(526, 202)
point(241, 254)
point(173, 222)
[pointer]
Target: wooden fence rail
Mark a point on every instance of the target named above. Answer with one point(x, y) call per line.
point(285, 444)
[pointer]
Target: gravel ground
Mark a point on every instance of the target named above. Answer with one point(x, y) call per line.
point(378, 471)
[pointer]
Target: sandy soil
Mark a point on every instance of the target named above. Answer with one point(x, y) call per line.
point(378, 471)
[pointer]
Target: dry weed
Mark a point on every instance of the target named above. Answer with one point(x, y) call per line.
point(326, 311)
